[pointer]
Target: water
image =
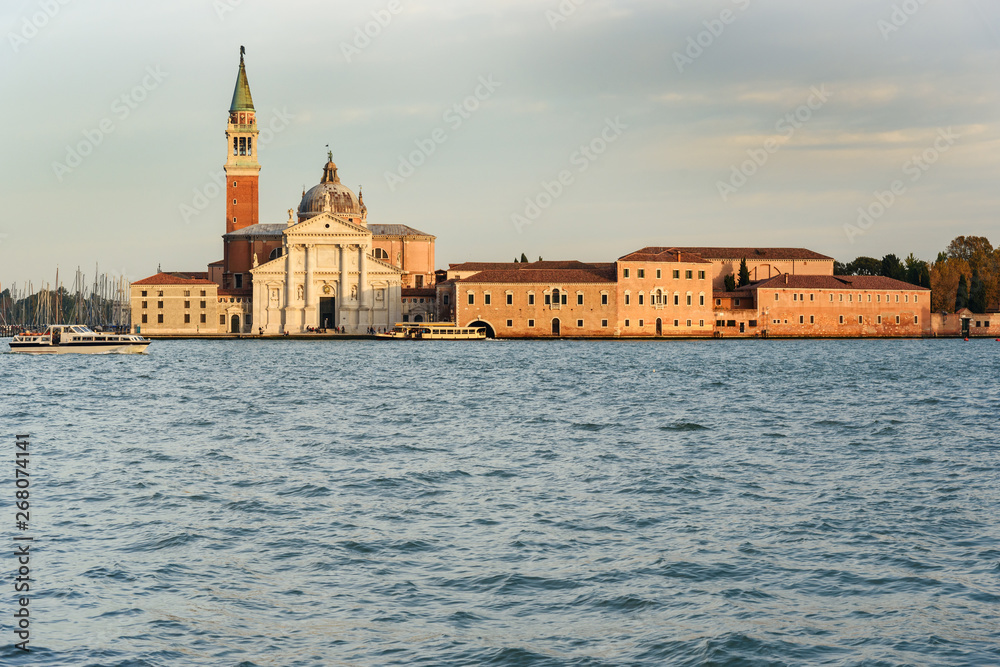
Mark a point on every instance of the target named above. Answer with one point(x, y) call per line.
point(510, 503)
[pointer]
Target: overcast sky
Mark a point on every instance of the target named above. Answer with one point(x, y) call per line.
point(729, 122)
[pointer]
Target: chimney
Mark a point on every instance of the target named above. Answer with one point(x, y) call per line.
point(786, 278)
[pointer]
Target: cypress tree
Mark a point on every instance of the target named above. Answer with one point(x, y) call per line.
point(524, 258)
point(977, 294)
point(730, 282)
point(744, 273)
point(962, 298)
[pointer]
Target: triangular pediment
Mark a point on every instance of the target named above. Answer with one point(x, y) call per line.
point(328, 224)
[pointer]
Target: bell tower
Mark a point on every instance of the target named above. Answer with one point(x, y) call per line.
point(242, 172)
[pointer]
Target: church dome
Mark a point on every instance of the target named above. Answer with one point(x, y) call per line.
point(331, 196)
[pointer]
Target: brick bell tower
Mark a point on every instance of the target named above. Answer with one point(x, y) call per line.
point(242, 173)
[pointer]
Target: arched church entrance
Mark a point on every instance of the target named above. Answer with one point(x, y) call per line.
point(234, 326)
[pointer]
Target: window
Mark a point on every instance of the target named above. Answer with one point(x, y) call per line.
point(531, 323)
point(915, 321)
point(775, 296)
point(159, 304)
point(604, 324)
point(531, 298)
point(604, 299)
point(689, 323)
point(795, 297)
point(144, 318)
point(812, 320)
point(234, 145)
point(486, 298)
point(625, 273)
point(234, 219)
point(144, 304)
point(701, 323)
point(159, 318)
point(472, 299)
point(204, 293)
point(701, 275)
point(811, 297)
point(878, 298)
point(143, 292)
point(447, 299)
point(202, 304)
point(915, 298)
point(510, 299)
point(626, 323)
point(687, 275)
point(841, 298)
point(701, 300)
point(187, 304)
point(737, 302)
point(548, 299)
point(677, 299)
point(187, 318)
point(897, 319)
point(641, 273)
point(718, 302)
point(752, 323)
point(689, 299)
point(869, 298)
point(222, 320)
point(658, 274)
point(677, 323)
point(802, 319)
point(640, 298)
point(381, 254)
point(187, 292)
point(579, 324)
point(160, 293)
point(906, 298)
point(880, 319)
point(641, 323)
point(204, 318)
point(564, 299)
point(841, 319)
point(850, 298)
point(579, 299)
point(831, 298)
point(234, 202)
point(628, 298)
point(897, 298)
point(861, 320)
point(239, 280)
point(510, 323)
point(677, 273)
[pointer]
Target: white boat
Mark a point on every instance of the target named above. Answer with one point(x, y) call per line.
point(432, 331)
point(75, 338)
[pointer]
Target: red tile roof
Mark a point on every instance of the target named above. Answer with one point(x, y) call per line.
point(413, 291)
point(746, 253)
point(175, 278)
point(836, 283)
point(584, 273)
point(652, 254)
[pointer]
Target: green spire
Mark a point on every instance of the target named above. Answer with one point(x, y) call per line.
point(242, 101)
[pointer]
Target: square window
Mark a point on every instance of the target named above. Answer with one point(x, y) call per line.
point(203, 304)
point(658, 274)
point(144, 318)
point(640, 323)
point(689, 299)
point(564, 299)
point(579, 324)
point(604, 323)
point(687, 275)
point(802, 319)
point(486, 298)
point(625, 273)
point(204, 318)
point(689, 322)
point(640, 298)
point(677, 273)
point(510, 323)
point(204, 293)
point(642, 273)
point(531, 299)
point(701, 275)
point(472, 299)
point(222, 320)
point(187, 304)
point(510, 299)
point(144, 304)
point(187, 318)
point(143, 292)
point(187, 292)
point(626, 323)
point(531, 323)
point(159, 318)
point(159, 304)
point(677, 323)
point(579, 299)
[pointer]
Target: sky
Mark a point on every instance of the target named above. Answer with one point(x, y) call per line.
point(572, 129)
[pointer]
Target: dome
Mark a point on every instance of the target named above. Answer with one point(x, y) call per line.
point(331, 196)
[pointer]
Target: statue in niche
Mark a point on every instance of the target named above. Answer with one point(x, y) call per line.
point(354, 292)
point(298, 292)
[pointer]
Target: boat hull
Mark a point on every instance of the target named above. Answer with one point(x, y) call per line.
point(78, 348)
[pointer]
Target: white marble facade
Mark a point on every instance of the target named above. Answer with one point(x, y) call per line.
point(326, 277)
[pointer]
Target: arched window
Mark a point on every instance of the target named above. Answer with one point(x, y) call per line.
point(381, 254)
point(275, 254)
point(243, 145)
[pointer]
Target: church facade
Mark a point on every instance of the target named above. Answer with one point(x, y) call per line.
point(325, 267)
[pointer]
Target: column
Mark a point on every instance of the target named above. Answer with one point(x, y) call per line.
point(364, 294)
point(311, 314)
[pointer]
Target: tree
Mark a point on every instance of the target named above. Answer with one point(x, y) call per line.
point(944, 277)
point(744, 273)
point(962, 297)
point(973, 249)
point(840, 269)
point(515, 260)
point(977, 293)
point(893, 268)
point(524, 258)
point(917, 271)
point(730, 282)
point(864, 266)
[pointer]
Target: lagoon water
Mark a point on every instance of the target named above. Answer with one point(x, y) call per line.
point(510, 503)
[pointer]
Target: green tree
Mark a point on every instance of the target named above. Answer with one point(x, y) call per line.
point(916, 271)
point(973, 249)
point(893, 268)
point(977, 293)
point(524, 258)
point(840, 269)
point(515, 260)
point(730, 282)
point(744, 273)
point(962, 297)
point(864, 266)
